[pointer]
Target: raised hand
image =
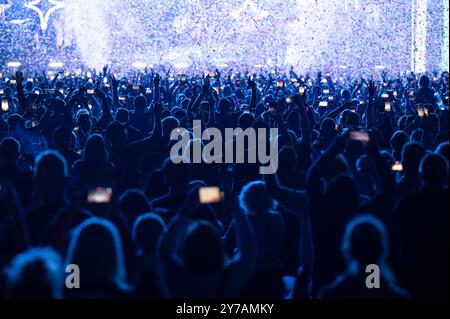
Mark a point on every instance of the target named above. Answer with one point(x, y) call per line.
point(251, 82)
point(156, 80)
point(19, 77)
point(372, 89)
point(205, 86)
point(114, 81)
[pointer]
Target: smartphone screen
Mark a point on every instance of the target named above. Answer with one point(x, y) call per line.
point(5, 105)
point(330, 97)
point(99, 195)
point(136, 87)
point(2, 92)
point(323, 104)
point(209, 195)
point(91, 91)
point(385, 95)
point(387, 106)
point(359, 135)
point(301, 90)
point(289, 100)
point(420, 111)
point(326, 91)
point(397, 167)
point(280, 83)
point(122, 98)
point(148, 90)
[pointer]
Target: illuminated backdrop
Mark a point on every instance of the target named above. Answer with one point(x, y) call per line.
point(354, 35)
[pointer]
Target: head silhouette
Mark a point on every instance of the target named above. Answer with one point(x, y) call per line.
point(62, 137)
point(424, 81)
point(175, 175)
point(50, 175)
point(122, 115)
point(35, 274)
point(116, 134)
point(140, 103)
point(203, 252)
point(147, 230)
point(9, 151)
point(255, 199)
point(433, 170)
point(95, 153)
point(133, 203)
point(398, 140)
point(365, 242)
point(95, 246)
point(412, 154)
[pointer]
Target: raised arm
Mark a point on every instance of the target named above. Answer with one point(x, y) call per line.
point(20, 93)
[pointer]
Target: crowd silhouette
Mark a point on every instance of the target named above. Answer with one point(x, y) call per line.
point(86, 179)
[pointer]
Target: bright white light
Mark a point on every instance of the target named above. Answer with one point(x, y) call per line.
point(380, 67)
point(55, 65)
point(181, 65)
point(139, 65)
point(222, 65)
point(342, 67)
point(419, 39)
point(14, 64)
point(44, 17)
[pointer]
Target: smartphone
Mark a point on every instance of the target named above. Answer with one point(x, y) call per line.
point(289, 100)
point(280, 84)
point(12, 81)
point(209, 195)
point(330, 97)
point(323, 104)
point(212, 74)
point(61, 91)
point(99, 195)
point(122, 98)
point(301, 90)
point(136, 87)
point(421, 111)
point(90, 91)
point(387, 106)
point(37, 92)
point(324, 81)
point(385, 96)
point(183, 78)
point(148, 90)
point(359, 135)
point(216, 89)
point(326, 91)
point(411, 94)
point(397, 167)
point(90, 107)
point(2, 91)
point(395, 94)
point(5, 105)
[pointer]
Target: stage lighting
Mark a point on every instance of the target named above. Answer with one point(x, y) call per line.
point(181, 65)
point(139, 65)
point(55, 65)
point(380, 67)
point(14, 64)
